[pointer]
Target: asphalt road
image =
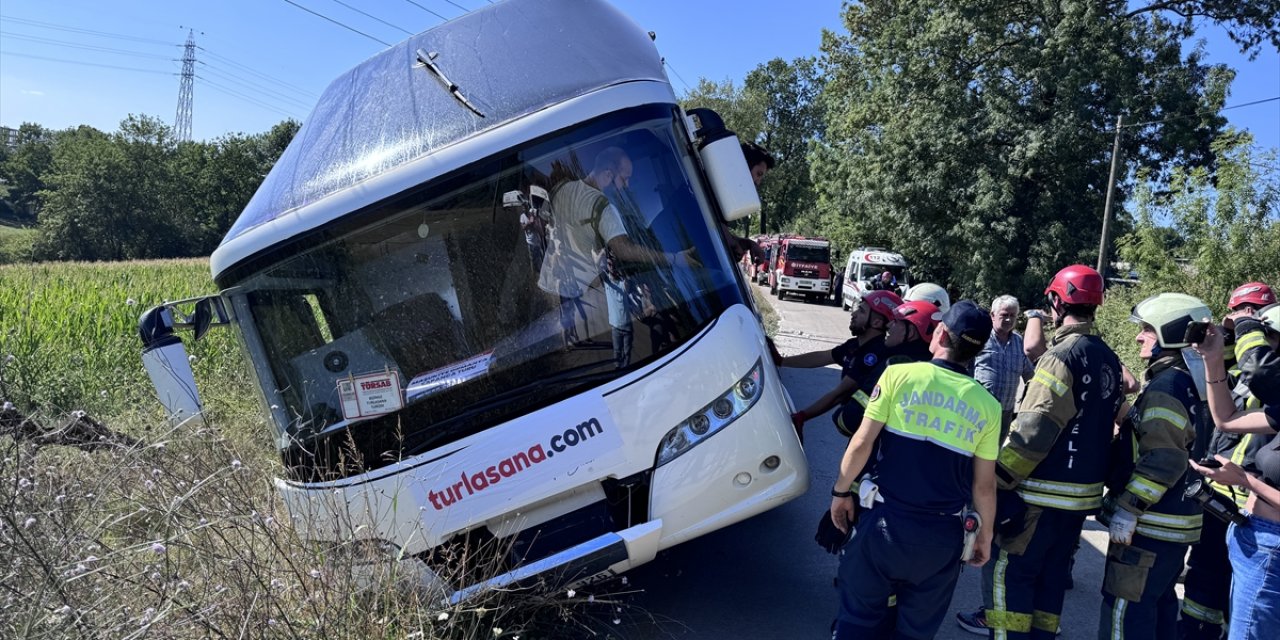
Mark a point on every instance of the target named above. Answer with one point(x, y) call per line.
point(766, 578)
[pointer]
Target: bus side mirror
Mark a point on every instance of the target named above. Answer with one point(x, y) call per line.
point(165, 356)
point(726, 167)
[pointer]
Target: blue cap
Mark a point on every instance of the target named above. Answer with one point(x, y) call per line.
point(968, 321)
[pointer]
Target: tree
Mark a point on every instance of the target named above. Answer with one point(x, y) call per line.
point(23, 169)
point(777, 108)
point(975, 137)
point(1226, 225)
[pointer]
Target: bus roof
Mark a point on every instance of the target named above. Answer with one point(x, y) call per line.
point(508, 60)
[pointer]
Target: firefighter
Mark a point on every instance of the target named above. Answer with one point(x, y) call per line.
point(911, 330)
point(1053, 464)
point(1151, 519)
point(861, 359)
point(1246, 300)
point(1208, 580)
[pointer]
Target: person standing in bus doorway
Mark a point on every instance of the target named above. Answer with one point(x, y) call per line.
point(861, 360)
point(938, 432)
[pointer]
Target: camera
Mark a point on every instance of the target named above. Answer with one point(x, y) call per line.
point(1195, 332)
point(1214, 503)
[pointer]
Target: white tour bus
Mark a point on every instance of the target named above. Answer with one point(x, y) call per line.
point(446, 363)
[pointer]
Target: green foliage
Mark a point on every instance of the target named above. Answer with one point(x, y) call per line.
point(1210, 232)
point(15, 244)
point(70, 337)
point(975, 137)
point(777, 108)
point(135, 193)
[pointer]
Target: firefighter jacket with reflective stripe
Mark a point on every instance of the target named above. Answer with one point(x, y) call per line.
point(1250, 349)
point(1150, 475)
point(862, 363)
point(1057, 449)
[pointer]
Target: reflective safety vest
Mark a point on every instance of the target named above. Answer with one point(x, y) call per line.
point(1061, 439)
point(1151, 475)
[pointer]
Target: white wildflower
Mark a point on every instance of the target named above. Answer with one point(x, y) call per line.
point(571, 593)
point(191, 358)
point(276, 584)
point(617, 620)
point(444, 615)
point(158, 548)
point(63, 610)
point(60, 498)
point(184, 585)
point(103, 393)
point(314, 573)
point(497, 632)
point(235, 464)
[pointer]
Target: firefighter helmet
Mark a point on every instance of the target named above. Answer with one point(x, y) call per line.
point(930, 292)
point(924, 315)
point(1269, 316)
point(1169, 314)
point(1076, 284)
point(882, 302)
point(1256, 293)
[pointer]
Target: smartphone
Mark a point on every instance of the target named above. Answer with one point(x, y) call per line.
point(1211, 463)
point(1195, 332)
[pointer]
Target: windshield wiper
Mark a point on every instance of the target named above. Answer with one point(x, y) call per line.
point(428, 60)
point(573, 376)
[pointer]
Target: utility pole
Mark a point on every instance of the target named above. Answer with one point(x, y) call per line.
point(1106, 211)
point(182, 121)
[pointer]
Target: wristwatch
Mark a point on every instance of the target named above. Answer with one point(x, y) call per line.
point(1035, 314)
point(841, 494)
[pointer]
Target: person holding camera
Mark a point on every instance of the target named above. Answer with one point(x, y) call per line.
point(1208, 580)
point(1151, 520)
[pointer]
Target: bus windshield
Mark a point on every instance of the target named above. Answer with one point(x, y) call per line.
point(486, 294)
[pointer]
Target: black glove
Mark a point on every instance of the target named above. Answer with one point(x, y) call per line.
point(1011, 513)
point(1246, 325)
point(828, 536)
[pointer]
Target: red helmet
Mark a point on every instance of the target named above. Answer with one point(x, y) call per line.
point(1251, 293)
point(882, 302)
point(924, 315)
point(1077, 284)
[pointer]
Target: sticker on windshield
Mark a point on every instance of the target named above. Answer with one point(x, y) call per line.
point(370, 395)
point(451, 375)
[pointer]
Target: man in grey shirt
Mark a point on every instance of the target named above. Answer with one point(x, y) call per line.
point(1002, 361)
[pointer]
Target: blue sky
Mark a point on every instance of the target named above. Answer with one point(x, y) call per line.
point(264, 60)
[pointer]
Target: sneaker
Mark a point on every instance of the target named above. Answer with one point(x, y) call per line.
point(975, 623)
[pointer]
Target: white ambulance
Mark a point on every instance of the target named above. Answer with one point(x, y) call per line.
point(865, 266)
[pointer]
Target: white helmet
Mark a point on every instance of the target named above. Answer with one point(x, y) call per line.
point(929, 292)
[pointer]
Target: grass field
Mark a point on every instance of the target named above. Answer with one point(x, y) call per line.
point(15, 244)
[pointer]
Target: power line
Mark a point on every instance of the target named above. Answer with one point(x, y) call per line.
point(85, 64)
point(87, 47)
point(105, 34)
point(250, 99)
point(344, 26)
point(1203, 113)
point(255, 72)
point(426, 9)
point(678, 76)
point(464, 9)
point(373, 17)
point(253, 86)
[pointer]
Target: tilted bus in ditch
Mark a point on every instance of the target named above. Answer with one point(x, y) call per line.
point(484, 296)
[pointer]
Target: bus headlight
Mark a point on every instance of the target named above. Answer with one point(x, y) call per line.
point(712, 418)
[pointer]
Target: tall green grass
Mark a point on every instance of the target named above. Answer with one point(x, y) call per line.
point(69, 338)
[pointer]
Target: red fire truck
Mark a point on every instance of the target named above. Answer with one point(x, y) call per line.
point(803, 267)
